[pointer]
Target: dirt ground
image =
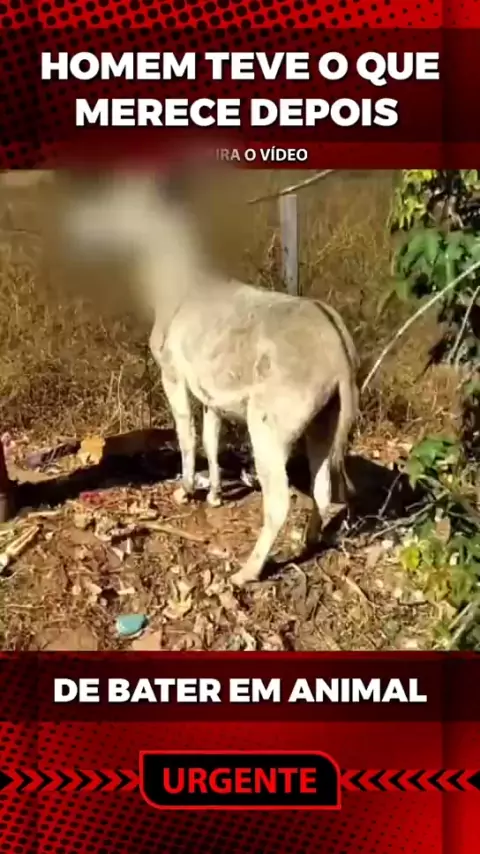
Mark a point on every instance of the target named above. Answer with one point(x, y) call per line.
point(99, 535)
point(113, 548)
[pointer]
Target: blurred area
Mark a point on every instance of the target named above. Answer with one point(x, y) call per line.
point(74, 355)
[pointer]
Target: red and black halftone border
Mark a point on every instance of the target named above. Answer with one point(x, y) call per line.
point(437, 125)
point(68, 780)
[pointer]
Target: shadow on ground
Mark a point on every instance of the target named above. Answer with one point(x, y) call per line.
point(380, 492)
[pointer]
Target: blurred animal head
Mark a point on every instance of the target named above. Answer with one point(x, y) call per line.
point(122, 213)
point(135, 217)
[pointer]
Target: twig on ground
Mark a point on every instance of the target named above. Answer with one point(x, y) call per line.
point(18, 545)
point(405, 520)
point(174, 532)
point(464, 618)
point(385, 504)
point(358, 590)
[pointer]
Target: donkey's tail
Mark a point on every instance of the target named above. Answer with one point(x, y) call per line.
point(348, 402)
point(348, 396)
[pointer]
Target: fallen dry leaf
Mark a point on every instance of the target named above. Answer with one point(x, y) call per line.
point(91, 450)
point(207, 578)
point(215, 588)
point(249, 642)
point(126, 591)
point(94, 591)
point(181, 603)
point(204, 629)
point(228, 601)
point(184, 588)
point(82, 520)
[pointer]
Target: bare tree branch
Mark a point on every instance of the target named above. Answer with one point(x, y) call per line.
point(293, 188)
point(424, 308)
point(463, 327)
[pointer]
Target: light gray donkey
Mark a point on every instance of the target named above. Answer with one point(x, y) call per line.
point(284, 365)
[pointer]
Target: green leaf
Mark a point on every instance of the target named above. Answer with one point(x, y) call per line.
point(411, 557)
point(472, 388)
point(403, 289)
point(415, 469)
point(455, 248)
point(470, 177)
point(410, 252)
point(432, 242)
point(431, 449)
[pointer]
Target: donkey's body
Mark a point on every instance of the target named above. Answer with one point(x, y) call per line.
point(234, 344)
point(284, 365)
point(275, 362)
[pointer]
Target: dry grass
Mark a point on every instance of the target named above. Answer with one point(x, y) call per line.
point(68, 369)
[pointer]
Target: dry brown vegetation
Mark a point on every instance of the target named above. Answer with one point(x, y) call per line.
point(68, 369)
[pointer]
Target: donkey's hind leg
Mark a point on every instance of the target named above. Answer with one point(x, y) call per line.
point(177, 395)
point(327, 480)
point(211, 435)
point(320, 474)
point(271, 454)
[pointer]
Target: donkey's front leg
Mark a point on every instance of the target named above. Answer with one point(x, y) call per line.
point(211, 436)
point(177, 395)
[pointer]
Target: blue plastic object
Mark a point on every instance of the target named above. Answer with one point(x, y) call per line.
point(131, 624)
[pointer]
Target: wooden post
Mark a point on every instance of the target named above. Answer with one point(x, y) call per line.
point(6, 489)
point(289, 233)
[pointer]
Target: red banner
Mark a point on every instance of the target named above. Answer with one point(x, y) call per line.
point(58, 106)
point(408, 766)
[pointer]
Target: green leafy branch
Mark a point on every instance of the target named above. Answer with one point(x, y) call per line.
point(442, 552)
point(438, 214)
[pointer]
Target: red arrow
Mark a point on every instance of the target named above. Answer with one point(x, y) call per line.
point(95, 781)
point(367, 781)
point(36, 780)
point(56, 780)
point(423, 781)
point(17, 781)
point(132, 777)
point(115, 781)
point(464, 781)
point(444, 782)
point(385, 780)
point(407, 782)
point(346, 780)
point(75, 782)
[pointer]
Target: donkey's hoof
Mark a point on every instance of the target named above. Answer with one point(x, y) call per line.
point(238, 579)
point(243, 576)
point(181, 496)
point(214, 499)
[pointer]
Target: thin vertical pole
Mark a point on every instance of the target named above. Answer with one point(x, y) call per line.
point(5, 488)
point(289, 234)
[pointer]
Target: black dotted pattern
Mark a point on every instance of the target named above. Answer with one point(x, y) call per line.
point(38, 120)
point(209, 14)
point(105, 823)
